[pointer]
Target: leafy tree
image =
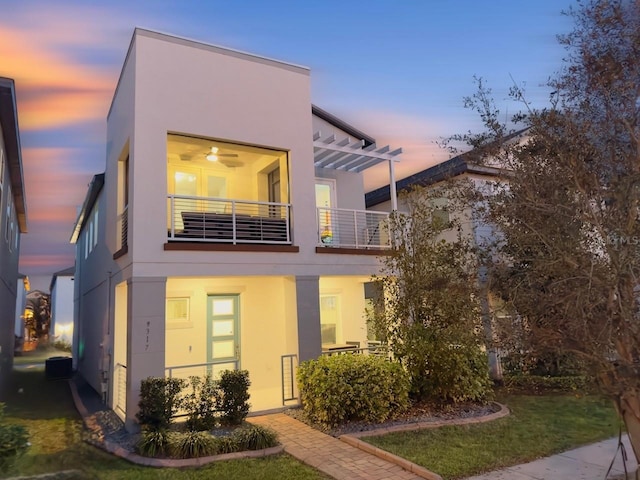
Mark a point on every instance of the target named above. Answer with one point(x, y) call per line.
point(570, 210)
point(430, 312)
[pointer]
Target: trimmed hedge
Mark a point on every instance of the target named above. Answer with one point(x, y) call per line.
point(342, 388)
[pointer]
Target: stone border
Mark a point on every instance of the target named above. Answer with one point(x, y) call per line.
point(353, 439)
point(118, 451)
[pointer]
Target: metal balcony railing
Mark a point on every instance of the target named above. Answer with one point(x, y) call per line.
point(205, 219)
point(339, 227)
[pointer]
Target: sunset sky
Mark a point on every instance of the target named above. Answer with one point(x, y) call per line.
point(396, 69)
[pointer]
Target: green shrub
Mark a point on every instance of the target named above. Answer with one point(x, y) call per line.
point(233, 396)
point(451, 373)
point(341, 388)
point(192, 444)
point(159, 401)
point(227, 444)
point(254, 437)
point(153, 443)
point(200, 403)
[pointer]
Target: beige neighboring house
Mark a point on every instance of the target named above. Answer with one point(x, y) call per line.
point(228, 230)
point(481, 234)
point(13, 222)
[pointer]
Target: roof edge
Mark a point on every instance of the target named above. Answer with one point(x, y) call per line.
point(13, 149)
point(92, 195)
point(342, 125)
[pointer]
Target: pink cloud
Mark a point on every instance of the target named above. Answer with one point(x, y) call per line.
point(416, 135)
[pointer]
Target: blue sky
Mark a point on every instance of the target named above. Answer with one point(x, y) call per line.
point(397, 70)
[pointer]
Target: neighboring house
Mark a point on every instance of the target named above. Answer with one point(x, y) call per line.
point(13, 221)
point(228, 230)
point(21, 297)
point(481, 234)
point(61, 289)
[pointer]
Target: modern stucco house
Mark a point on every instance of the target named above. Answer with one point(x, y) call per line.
point(228, 230)
point(13, 220)
point(61, 289)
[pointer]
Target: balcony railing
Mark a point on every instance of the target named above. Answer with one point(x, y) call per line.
point(338, 227)
point(204, 219)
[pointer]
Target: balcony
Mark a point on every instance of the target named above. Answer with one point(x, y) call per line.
point(358, 229)
point(206, 219)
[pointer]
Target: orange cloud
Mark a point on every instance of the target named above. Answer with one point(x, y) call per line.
point(53, 89)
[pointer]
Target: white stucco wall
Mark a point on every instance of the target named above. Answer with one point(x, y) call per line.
point(62, 309)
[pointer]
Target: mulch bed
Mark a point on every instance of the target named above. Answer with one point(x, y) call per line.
point(418, 412)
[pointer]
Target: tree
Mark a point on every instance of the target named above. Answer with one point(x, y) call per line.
point(429, 312)
point(570, 211)
point(39, 321)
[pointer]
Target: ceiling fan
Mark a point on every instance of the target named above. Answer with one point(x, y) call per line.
point(214, 155)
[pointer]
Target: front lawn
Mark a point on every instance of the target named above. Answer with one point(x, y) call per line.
point(46, 409)
point(538, 426)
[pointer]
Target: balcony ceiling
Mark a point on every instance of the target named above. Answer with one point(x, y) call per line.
point(345, 154)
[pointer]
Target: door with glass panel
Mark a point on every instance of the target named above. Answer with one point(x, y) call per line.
point(325, 202)
point(223, 332)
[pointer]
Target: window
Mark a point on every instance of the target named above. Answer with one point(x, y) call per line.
point(1, 167)
point(177, 313)
point(7, 225)
point(329, 318)
point(273, 178)
point(95, 226)
point(220, 172)
point(91, 232)
point(122, 228)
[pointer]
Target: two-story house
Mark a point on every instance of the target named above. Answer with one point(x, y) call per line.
point(228, 230)
point(13, 221)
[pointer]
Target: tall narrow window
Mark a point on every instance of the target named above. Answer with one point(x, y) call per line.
point(7, 218)
point(1, 168)
point(274, 185)
point(123, 202)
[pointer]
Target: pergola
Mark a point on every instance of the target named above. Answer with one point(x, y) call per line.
point(354, 156)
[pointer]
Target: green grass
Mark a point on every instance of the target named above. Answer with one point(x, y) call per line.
point(538, 426)
point(46, 409)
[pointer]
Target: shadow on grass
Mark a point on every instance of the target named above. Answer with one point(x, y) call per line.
point(31, 396)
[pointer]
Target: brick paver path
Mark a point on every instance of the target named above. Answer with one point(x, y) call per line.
point(328, 454)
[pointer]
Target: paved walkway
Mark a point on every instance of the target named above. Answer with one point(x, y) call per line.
point(585, 463)
point(328, 454)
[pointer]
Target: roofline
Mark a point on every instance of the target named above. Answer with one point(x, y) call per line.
point(453, 167)
point(342, 125)
point(188, 42)
point(67, 272)
point(90, 200)
point(13, 149)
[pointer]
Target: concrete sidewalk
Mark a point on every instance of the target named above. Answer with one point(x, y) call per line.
point(585, 463)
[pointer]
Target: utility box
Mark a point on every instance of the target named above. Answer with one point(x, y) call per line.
point(57, 367)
